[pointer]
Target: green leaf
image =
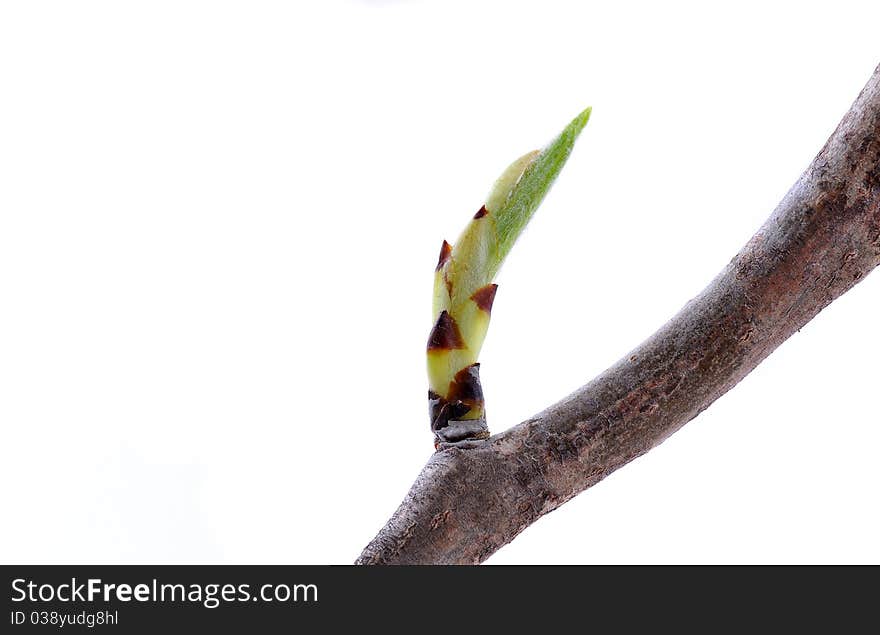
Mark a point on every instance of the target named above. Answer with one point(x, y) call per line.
point(515, 197)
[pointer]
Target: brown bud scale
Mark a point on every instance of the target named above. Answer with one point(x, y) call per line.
point(445, 335)
point(445, 253)
point(485, 297)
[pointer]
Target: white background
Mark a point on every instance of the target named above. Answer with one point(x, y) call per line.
point(218, 228)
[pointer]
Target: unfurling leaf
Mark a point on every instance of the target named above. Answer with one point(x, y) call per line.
point(464, 291)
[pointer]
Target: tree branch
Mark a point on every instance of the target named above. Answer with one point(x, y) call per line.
point(821, 240)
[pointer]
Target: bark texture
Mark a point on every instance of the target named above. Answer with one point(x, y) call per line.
point(823, 238)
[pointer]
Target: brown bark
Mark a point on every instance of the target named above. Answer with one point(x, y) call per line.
point(820, 241)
